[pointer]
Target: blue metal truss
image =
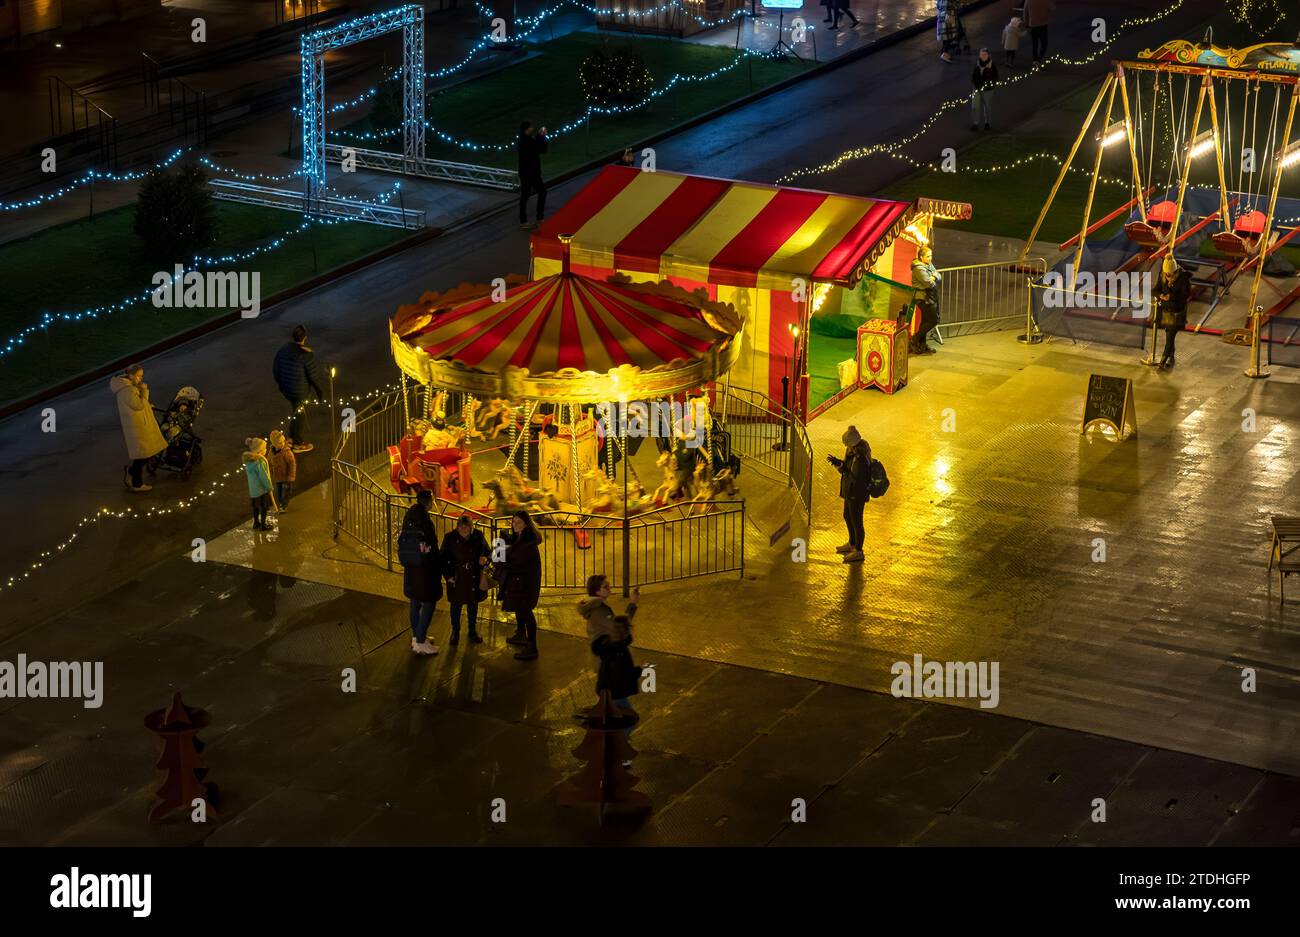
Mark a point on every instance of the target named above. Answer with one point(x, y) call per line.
point(410, 20)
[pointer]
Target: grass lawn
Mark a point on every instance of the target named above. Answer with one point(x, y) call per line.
point(90, 263)
point(545, 89)
point(1007, 202)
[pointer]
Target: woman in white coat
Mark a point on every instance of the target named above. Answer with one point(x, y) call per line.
point(139, 426)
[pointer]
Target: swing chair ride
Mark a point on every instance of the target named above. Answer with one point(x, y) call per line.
point(1183, 103)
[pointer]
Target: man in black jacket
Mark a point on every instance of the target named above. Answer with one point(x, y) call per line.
point(298, 374)
point(532, 144)
point(855, 484)
point(1171, 295)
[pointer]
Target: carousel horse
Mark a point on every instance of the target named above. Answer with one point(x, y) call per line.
point(677, 481)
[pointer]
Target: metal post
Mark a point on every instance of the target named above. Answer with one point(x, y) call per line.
point(334, 505)
point(388, 527)
point(1032, 336)
point(1255, 370)
point(627, 530)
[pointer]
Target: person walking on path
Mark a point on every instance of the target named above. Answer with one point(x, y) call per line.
point(925, 281)
point(855, 485)
point(1171, 294)
point(611, 636)
point(144, 439)
point(1012, 33)
point(521, 583)
point(464, 555)
point(258, 472)
point(532, 144)
point(947, 27)
point(842, 6)
point(830, 7)
point(984, 77)
point(1038, 14)
point(284, 469)
point(298, 374)
point(421, 571)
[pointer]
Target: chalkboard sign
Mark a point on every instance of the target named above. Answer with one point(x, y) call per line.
point(1110, 402)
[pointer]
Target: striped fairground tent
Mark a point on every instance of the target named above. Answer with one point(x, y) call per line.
point(759, 247)
point(566, 338)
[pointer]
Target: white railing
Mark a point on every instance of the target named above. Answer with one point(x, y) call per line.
point(443, 170)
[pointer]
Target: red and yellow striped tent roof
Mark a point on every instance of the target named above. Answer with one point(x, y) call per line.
point(568, 338)
point(721, 231)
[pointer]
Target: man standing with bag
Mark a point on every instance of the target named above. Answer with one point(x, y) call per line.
point(855, 490)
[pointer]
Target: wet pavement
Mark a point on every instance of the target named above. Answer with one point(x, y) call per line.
point(423, 748)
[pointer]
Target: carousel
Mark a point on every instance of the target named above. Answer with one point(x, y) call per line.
point(525, 392)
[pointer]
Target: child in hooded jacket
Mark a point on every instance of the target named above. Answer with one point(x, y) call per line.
point(284, 469)
point(258, 472)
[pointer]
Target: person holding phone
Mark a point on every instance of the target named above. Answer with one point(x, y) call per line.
point(532, 144)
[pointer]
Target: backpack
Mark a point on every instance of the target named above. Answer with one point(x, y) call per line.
point(879, 481)
point(409, 542)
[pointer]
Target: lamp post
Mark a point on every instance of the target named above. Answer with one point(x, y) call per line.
point(334, 504)
point(786, 402)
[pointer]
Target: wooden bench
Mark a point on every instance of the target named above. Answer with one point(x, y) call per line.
point(1282, 552)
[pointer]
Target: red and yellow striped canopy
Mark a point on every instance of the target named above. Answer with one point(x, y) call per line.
point(721, 231)
point(568, 338)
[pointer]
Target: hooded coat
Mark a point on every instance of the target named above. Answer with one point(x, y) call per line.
point(424, 582)
point(522, 585)
point(460, 564)
point(284, 467)
point(139, 426)
point(296, 371)
point(855, 472)
point(258, 473)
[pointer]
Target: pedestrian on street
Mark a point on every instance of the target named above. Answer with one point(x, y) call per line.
point(855, 485)
point(421, 570)
point(464, 556)
point(1012, 33)
point(842, 6)
point(830, 7)
point(611, 636)
point(532, 144)
point(258, 472)
point(284, 469)
point(1172, 292)
point(984, 77)
point(144, 439)
point(298, 374)
point(947, 27)
point(1038, 14)
point(521, 582)
point(925, 281)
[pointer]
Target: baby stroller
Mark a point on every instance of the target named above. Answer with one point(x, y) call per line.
point(184, 449)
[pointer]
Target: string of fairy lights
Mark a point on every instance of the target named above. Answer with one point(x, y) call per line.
point(18, 339)
point(874, 149)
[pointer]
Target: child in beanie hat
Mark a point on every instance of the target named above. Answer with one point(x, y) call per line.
point(284, 469)
point(258, 472)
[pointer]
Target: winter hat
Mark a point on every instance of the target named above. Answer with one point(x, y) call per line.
point(851, 437)
point(277, 439)
point(1170, 266)
point(255, 445)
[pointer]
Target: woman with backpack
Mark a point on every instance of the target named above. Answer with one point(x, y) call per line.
point(855, 489)
point(421, 570)
point(521, 582)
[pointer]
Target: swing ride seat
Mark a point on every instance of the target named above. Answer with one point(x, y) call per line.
point(1145, 234)
point(1229, 243)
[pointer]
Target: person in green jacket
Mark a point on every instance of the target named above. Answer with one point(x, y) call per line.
point(258, 472)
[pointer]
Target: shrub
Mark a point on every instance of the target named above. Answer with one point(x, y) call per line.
point(387, 111)
point(175, 215)
point(620, 78)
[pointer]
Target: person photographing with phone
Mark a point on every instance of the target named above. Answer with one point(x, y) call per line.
point(532, 144)
point(855, 490)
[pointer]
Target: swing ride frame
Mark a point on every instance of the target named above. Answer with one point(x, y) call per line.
point(1192, 145)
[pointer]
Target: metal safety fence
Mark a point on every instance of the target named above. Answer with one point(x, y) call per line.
point(986, 297)
point(677, 541)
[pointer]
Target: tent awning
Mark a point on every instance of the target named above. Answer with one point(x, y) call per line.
point(722, 231)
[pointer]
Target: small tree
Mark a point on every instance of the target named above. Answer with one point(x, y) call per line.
point(175, 215)
point(619, 78)
point(389, 109)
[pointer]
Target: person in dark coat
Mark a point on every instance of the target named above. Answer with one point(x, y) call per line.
point(855, 486)
point(532, 144)
point(464, 554)
point(422, 583)
point(983, 78)
point(1171, 294)
point(298, 375)
point(521, 582)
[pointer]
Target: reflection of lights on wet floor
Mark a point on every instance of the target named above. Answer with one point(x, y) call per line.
point(941, 486)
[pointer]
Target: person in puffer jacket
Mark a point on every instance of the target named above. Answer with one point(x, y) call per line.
point(611, 636)
point(258, 472)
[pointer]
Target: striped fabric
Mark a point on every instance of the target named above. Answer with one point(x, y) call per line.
point(570, 322)
point(719, 231)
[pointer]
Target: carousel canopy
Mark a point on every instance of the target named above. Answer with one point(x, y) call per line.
point(722, 231)
point(567, 338)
